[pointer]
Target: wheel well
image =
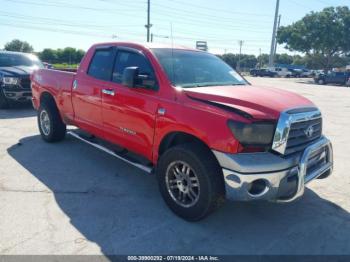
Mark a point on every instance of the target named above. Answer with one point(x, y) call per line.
point(178, 138)
point(46, 97)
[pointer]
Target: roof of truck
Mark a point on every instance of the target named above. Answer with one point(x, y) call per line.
point(148, 45)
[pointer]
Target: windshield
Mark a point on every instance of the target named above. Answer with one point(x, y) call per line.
point(189, 69)
point(11, 59)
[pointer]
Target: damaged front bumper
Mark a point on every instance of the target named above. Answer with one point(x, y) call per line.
point(268, 176)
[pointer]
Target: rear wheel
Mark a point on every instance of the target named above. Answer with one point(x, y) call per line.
point(190, 181)
point(3, 101)
point(51, 126)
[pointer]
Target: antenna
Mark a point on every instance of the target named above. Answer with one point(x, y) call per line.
point(172, 52)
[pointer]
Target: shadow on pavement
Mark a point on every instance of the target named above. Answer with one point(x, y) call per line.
point(18, 111)
point(120, 209)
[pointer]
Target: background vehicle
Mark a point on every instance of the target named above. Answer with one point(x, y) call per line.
point(47, 65)
point(296, 72)
point(340, 78)
point(15, 70)
point(190, 118)
point(263, 72)
point(281, 72)
point(306, 73)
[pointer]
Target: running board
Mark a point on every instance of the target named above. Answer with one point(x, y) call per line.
point(104, 149)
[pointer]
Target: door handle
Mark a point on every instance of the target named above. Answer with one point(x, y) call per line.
point(109, 92)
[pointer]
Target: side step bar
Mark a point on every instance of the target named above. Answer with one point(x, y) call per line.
point(140, 166)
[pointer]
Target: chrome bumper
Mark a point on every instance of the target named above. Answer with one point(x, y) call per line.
point(18, 95)
point(266, 176)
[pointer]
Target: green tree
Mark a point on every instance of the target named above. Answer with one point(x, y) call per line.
point(230, 59)
point(68, 55)
point(284, 59)
point(19, 46)
point(263, 60)
point(247, 61)
point(324, 35)
point(48, 55)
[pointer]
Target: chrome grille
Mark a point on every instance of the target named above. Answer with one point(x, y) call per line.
point(296, 129)
point(299, 138)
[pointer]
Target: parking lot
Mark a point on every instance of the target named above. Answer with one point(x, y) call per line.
point(69, 198)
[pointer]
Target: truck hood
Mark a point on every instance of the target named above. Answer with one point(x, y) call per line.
point(258, 102)
point(16, 71)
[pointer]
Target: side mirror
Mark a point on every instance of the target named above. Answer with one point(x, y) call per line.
point(130, 75)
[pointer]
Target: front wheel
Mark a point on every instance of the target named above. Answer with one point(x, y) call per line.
point(51, 126)
point(190, 181)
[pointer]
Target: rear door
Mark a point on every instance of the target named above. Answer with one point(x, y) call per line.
point(87, 90)
point(129, 113)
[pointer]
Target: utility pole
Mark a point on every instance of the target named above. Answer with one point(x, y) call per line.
point(274, 32)
point(240, 42)
point(148, 26)
point(260, 58)
point(278, 26)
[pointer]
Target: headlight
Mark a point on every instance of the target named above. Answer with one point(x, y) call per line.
point(254, 134)
point(10, 80)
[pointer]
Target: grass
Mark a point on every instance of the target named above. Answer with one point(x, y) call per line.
point(65, 66)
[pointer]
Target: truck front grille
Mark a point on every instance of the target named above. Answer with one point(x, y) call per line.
point(301, 134)
point(25, 83)
point(297, 129)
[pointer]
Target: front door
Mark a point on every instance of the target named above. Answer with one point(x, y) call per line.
point(129, 113)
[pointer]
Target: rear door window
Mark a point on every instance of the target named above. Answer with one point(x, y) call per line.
point(102, 64)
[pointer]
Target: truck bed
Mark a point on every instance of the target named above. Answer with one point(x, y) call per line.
point(59, 84)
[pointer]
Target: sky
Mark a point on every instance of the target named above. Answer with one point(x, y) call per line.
point(222, 23)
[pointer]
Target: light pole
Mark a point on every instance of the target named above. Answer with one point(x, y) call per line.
point(260, 58)
point(240, 42)
point(148, 26)
point(274, 31)
point(278, 26)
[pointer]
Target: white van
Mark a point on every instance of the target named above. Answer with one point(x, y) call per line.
point(281, 71)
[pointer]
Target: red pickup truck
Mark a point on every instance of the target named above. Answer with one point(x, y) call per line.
point(188, 117)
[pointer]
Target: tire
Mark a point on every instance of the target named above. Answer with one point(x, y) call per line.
point(4, 104)
point(205, 172)
point(51, 126)
point(321, 82)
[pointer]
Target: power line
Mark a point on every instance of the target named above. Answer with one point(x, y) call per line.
point(69, 23)
point(55, 30)
point(61, 5)
point(208, 25)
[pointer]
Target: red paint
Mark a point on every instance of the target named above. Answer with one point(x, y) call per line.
point(136, 109)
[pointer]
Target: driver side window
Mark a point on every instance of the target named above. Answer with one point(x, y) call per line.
point(126, 59)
